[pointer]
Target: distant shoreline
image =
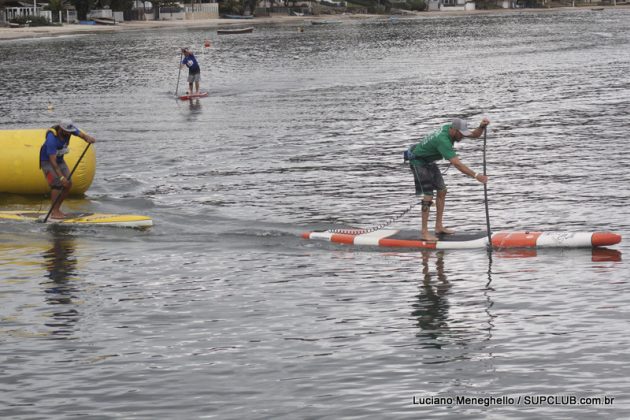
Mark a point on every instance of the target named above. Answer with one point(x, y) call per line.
point(135, 25)
point(8, 34)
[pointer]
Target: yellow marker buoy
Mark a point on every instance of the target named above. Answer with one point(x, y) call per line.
point(19, 163)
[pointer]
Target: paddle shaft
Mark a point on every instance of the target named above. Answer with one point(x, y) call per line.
point(69, 178)
point(485, 194)
point(178, 74)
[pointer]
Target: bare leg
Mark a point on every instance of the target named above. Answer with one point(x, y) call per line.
point(440, 203)
point(56, 212)
point(426, 206)
point(190, 88)
point(197, 86)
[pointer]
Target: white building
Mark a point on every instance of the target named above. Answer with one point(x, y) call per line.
point(450, 5)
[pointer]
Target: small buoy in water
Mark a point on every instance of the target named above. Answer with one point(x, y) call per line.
point(50, 107)
point(207, 44)
point(300, 29)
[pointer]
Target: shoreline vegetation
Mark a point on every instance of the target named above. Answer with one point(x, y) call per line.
point(7, 34)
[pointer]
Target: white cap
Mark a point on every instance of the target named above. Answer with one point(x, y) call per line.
point(68, 126)
point(462, 126)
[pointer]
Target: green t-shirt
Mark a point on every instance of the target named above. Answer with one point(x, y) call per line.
point(435, 146)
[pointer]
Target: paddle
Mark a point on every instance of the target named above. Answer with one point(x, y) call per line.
point(178, 74)
point(69, 178)
point(485, 194)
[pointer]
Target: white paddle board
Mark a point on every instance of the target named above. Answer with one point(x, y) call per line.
point(500, 240)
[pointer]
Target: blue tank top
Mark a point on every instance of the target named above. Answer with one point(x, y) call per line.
point(191, 62)
point(54, 145)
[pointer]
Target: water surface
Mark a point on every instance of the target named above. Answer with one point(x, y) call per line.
point(222, 311)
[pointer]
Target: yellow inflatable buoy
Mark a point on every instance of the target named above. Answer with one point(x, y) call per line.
point(19, 163)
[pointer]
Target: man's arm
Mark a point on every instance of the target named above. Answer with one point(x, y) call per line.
point(86, 137)
point(467, 171)
point(57, 169)
point(477, 132)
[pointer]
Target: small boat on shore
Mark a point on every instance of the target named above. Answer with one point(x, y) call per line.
point(325, 22)
point(238, 17)
point(235, 31)
point(104, 21)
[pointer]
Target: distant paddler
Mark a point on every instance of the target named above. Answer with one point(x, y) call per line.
point(52, 163)
point(194, 71)
point(427, 176)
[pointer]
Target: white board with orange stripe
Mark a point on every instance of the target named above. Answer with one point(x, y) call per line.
point(504, 239)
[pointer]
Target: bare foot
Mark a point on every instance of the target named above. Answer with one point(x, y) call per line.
point(428, 238)
point(58, 215)
point(444, 231)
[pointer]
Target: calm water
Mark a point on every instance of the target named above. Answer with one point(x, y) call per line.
point(222, 311)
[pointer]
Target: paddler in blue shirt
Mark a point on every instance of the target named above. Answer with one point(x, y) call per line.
point(427, 176)
point(53, 164)
point(194, 71)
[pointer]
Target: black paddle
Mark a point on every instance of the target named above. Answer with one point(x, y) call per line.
point(485, 194)
point(178, 74)
point(69, 178)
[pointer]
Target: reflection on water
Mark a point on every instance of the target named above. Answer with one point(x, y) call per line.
point(61, 286)
point(605, 254)
point(192, 111)
point(431, 310)
point(433, 307)
point(489, 303)
point(597, 254)
point(194, 104)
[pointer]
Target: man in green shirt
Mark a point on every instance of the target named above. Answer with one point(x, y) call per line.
point(427, 176)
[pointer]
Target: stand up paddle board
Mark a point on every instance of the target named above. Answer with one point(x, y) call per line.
point(412, 239)
point(193, 96)
point(81, 219)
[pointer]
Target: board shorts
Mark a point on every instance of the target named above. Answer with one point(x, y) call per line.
point(427, 178)
point(194, 77)
point(51, 176)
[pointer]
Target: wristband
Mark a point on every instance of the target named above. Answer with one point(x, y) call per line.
point(62, 178)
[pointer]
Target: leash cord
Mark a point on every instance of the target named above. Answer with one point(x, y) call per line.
point(361, 231)
point(388, 222)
